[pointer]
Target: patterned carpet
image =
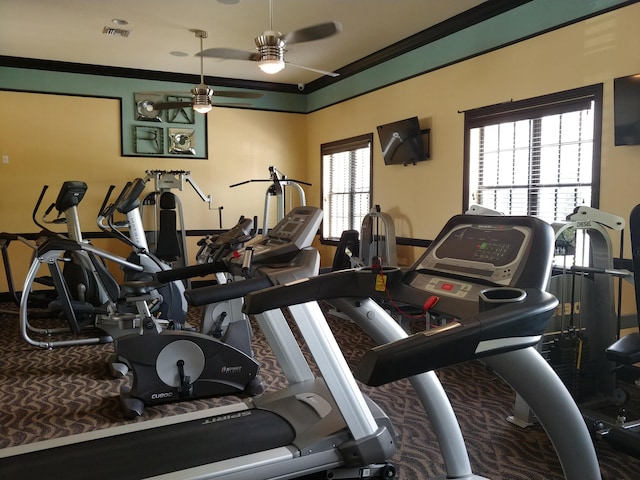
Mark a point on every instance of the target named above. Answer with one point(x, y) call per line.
point(53, 393)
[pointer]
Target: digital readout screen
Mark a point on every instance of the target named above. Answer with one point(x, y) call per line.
point(495, 246)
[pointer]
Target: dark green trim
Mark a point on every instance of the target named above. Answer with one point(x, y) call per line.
point(118, 72)
point(473, 16)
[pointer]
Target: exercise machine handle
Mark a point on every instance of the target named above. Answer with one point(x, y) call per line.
point(34, 214)
point(218, 293)
point(191, 271)
point(510, 326)
point(106, 199)
point(507, 327)
point(358, 283)
point(247, 261)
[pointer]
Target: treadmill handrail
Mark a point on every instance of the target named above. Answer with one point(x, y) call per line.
point(509, 327)
point(344, 283)
point(218, 293)
point(512, 326)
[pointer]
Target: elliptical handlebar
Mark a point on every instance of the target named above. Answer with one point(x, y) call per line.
point(101, 210)
point(106, 214)
point(34, 214)
point(55, 221)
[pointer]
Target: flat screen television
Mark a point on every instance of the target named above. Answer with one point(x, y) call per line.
point(401, 142)
point(626, 110)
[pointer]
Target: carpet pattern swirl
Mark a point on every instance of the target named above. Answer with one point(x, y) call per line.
point(48, 394)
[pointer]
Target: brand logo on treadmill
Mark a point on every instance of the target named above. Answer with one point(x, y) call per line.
point(231, 370)
point(224, 418)
point(160, 396)
point(567, 309)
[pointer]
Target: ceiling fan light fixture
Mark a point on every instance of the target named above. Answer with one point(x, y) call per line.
point(271, 66)
point(202, 108)
point(201, 98)
point(201, 103)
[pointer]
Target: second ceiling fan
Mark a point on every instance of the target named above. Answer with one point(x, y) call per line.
point(202, 95)
point(271, 46)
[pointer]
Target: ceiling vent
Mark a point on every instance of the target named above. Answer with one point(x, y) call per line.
point(116, 32)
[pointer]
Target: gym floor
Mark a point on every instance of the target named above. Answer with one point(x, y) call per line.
point(54, 393)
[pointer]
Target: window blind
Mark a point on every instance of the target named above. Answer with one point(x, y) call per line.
point(535, 158)
point(346, 185)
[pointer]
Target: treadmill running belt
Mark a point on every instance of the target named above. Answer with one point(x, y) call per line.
point(155, 451)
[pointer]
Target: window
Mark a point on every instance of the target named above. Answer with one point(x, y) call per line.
point(346, 184)
point(538, 157)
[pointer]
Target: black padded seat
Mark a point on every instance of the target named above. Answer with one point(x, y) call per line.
point(350, 239)
point(168, 246)
point(625, 351)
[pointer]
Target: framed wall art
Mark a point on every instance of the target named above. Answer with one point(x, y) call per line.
point(163, 124)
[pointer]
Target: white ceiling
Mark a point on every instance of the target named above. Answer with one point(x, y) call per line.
point(71, 31)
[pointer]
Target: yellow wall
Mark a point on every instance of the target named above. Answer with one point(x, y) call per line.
point(422, 197)
point(53, 138)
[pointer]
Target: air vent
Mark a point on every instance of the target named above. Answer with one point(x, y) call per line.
point(116, 32)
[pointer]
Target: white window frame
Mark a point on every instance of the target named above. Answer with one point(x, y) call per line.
point(518, 182)
point(347, 193)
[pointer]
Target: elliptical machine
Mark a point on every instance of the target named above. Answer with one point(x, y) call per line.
point(83, 285)
point(88, 294)
point(172, 305)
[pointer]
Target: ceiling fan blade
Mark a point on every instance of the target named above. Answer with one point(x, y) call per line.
point(231, 104)
point(315, 32)
point(323, 72)
point(175, 93)
point(229, 54)
point(235, 94)
point(171, 105)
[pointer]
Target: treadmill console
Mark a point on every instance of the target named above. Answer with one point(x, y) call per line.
point(476, 252)
point(293, 233)
point(297, 227)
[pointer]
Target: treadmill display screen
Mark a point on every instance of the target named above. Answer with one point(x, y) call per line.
point(489, 252)
point(495, 246)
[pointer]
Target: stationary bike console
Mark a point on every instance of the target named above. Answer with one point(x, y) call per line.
point(213, 247)
point(506, 260)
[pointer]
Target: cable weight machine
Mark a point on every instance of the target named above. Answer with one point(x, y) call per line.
point(279, 184)
point(584, 324)
point(168, 218)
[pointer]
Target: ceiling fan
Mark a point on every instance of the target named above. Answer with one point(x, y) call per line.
point(201, 94)
point(271, 46)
